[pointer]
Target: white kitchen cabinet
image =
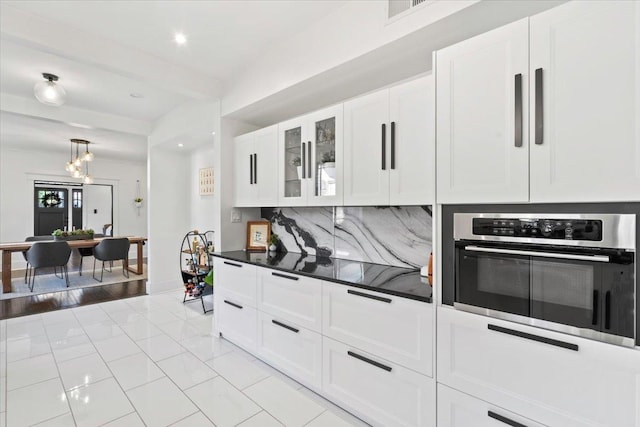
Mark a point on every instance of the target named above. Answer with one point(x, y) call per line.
point(291, 297)
point(256, 172)
point(585, 130)
point(556, 379)
point(235, 320)
point(578, 116)
point(394, 328)
point(482, 105)
point(311, 159)
point(291, 348)
point(456, 409)
point(389, 146)
point(381, 392)
point(237, 279)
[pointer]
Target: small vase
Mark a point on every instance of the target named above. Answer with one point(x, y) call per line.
point(138, 204)
point(299, 169)
point(272, 248)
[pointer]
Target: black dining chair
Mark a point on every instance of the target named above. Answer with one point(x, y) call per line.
point(111, 249)
point(48, 254)
point(84, 252)
point(24, 253)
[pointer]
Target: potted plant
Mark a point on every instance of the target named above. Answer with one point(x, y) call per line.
point(297, 162)
point(73, 235)
point(273, 242)
point(138, 202)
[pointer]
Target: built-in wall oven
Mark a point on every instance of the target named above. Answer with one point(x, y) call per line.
point(566, 272)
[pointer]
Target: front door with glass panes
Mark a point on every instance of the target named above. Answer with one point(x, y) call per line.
point(311, 152)
point(51, 210)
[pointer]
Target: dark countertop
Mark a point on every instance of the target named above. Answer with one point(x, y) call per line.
point(403, 282)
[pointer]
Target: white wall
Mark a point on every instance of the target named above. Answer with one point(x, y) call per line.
point(19, 168)
point(353, 30)
point(97, 206)
point(173, 206)
point(202, 207)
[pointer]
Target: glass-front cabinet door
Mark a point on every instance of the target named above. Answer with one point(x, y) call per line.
point(293, 164)
point(325, 177)
point(310, 150)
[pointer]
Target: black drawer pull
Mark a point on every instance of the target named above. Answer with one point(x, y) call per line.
point(505, 420)
point(375, 297)
point(291, 328)
point(369, 361)
point(284, 276)
point(532, 337)
point(233, 304)
point(233, 264)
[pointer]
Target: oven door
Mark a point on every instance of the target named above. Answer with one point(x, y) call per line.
point(590, 293)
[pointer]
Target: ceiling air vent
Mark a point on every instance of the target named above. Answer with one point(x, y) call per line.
point(396, 7)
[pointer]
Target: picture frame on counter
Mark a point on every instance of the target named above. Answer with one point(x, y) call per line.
point(258, 235)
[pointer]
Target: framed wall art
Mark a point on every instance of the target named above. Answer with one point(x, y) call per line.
point(206, 181)
point(258, 235)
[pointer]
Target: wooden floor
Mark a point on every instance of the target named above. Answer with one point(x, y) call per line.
point(41, 303)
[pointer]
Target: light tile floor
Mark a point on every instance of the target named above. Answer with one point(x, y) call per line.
point(144, 361)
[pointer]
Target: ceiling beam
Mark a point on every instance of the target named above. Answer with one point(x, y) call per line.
point(73, 116)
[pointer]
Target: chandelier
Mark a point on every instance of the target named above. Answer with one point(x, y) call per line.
point(75, 164)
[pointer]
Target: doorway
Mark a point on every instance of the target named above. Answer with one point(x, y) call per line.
point(50, 210)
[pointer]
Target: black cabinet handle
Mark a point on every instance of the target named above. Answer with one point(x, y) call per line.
point(310, 169)
point(233, 264)
point(304, 163)
point(504, 419)
point(518, 111)
point(284, 276)
point(282, 325)
point(532, 337)
point(250, 169)
point(233, 304)
point(607, 310)
point(393, 145)
point(539, 107)
point(384, 146)
point(369, 361)
point(255, 168)
point(375, 297)
point(596, 302)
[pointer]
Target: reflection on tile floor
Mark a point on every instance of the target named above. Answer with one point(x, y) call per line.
point(113, 363)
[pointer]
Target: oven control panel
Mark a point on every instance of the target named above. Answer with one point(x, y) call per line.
point(558, 229)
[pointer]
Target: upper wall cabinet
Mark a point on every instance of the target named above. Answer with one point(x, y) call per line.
point(390, 146)
point(481, 118)
point(310, 158)
point(585, 111)
point(256, 172)
point(572, 74)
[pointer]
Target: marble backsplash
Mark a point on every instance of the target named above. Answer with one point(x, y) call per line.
point(399, 236)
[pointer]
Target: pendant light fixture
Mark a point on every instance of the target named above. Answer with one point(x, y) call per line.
point(74, 165)
point(49, 92)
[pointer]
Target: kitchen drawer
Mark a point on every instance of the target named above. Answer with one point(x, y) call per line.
point(456, 409)
point(290, 297)
point(557, 379)
point(380, 392)
point(291, 348)
point(236, 321)
point(237, 279)
point(394, 328)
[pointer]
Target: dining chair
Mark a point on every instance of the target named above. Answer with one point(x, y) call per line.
point(111, 249)
point(24, 253)
point(48, 254)
point(84, 252)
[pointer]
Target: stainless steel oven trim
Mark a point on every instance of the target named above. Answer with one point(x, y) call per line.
point(590, 258)
point(551, 326)
point(619, 231)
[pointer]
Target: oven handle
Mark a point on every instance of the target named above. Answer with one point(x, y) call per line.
point(598, 258)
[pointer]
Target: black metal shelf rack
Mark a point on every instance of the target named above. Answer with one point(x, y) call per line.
point(195, 264)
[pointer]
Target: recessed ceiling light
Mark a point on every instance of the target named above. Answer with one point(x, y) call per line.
point(213, 133)
point(180, 38)
point(180, 145)
point(136, 95)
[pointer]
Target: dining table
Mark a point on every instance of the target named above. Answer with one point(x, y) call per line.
point(9, 248)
